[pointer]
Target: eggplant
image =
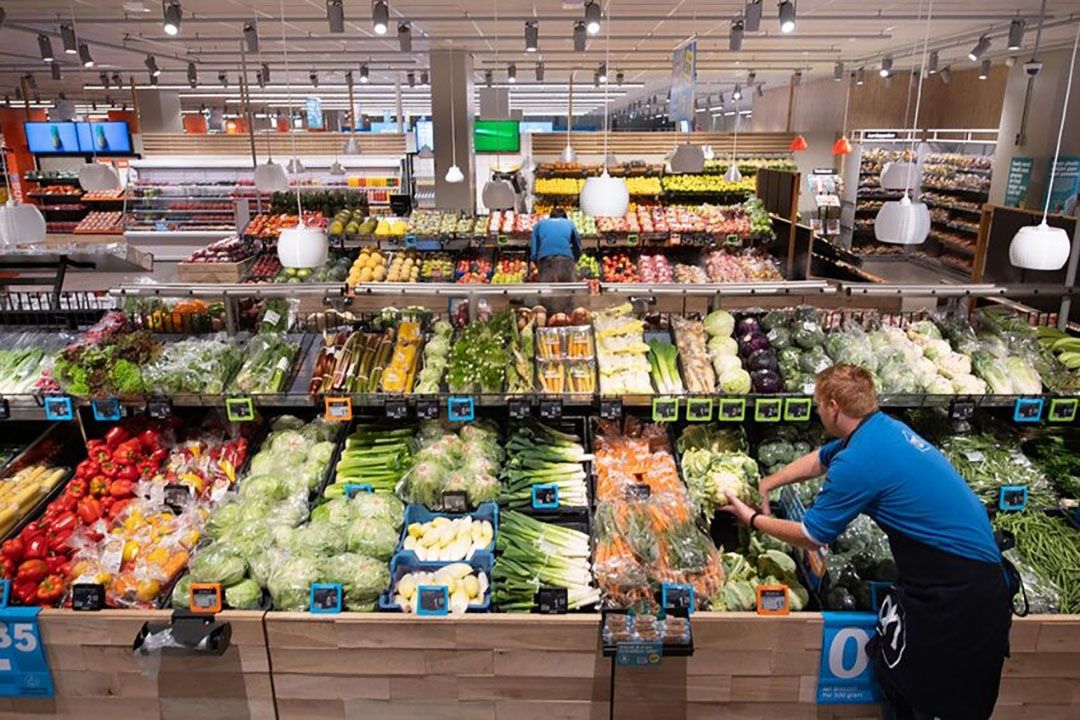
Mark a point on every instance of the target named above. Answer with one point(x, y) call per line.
point(747, 326)
point(762, 359)
point(750, 342)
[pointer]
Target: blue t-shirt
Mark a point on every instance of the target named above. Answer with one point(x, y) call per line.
point(904, 483)
point(555, 237)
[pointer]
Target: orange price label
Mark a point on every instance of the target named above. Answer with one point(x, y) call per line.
point(773, 600)
point(338, 409)
point(204, 597)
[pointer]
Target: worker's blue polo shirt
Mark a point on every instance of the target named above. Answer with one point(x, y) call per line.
point(906, 485)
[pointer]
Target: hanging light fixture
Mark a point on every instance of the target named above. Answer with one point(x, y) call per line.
point(45, 47)
point(886, 67)
point(314, 79)
point(579, 36)
point(798, 143)
point(223, 78)
point(932, 63)
point(19, 223)
point(152, 66)
point(605, 196)
point(67, 36)
point(335, 15)
point(984, 69)
point(733, 175)
point(1042, 247)
point(404, 37)
point(752, 13)
point(251, 37)
point(980, 49)
point(173, 16)
point(454, 174)
point(602, 71)
point(55, 69)
point(736, 94)
point(489, 78)
point(410, 77)
point(592, 16)
point(838, 71)
point(735, 37)
point(264, 74)
point(787, 16)
point(842, 147)
point(511, 73)
point(498, 194)
point(1016, 33)
point(425, 79)
point(84, 56)
point(380, 16)
point(532, 36)
point(192, 75)
point(860, 76)
point(619, 77)
point(365, 74)
point(569, 155)
point(539, 72)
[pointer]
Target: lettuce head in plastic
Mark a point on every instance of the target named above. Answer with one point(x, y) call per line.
point(374, 538)
point(290, 583)
point(362, 579)
point(244, 595)
point(317, 540)
point(218, 564)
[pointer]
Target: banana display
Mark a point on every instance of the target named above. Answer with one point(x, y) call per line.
point(1066, 347)
point(20, 492)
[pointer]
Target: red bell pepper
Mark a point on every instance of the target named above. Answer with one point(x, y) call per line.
point(50, 589)
point(121, 488)
point(127, 453)
point(115, 436)
point(25, 592)
point(36, 547)
point(118, 507)
point(59, 542)
point(65, 522)
point(89, 510)
point(32, 570)
point(7, 567)
point(128, 472)
point(76, 488)
point(13, 549)
point(99, 485)
point(150, 440)
point(147, 469)
point(109, 468)
point(58, 565)
point(158, 456)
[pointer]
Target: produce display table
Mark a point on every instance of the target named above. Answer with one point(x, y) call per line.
point(490, 667)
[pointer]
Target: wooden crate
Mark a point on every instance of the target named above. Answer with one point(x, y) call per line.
point(224, 272)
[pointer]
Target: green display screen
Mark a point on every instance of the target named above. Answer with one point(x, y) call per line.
point(497, 136)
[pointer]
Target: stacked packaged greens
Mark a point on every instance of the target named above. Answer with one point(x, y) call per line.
point(998, 325)
point(764, 561)
point(1049, 548)
point(724, 353)
point(540, 455)
point(536, 555)
point(713, 460)
point(799, 342)
point(374, 455)
point(193, 366)
point(452, 459)
point(21, 366)
point(266, 367)
point(479, 360)
point(991, 359)
point(436, 358)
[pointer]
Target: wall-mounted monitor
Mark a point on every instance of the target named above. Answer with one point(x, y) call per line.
point(52, 138)
point(104, 138)
point(491, 136)
point(425, 134)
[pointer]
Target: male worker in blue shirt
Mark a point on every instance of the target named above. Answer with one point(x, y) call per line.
point(555, 248)
point(943, 629)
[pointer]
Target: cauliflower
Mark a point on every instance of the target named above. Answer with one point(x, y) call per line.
point(940, 385)
point(934, 349)
point(952, 364)
point(968, 385)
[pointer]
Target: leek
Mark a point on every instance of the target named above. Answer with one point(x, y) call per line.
point(535, 554)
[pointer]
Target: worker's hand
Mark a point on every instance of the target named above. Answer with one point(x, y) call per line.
point(738, 508)
point(765, 487)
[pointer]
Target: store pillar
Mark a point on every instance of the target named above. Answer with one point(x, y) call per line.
point(452, 118)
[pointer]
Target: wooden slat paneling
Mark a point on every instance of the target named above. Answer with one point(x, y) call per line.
point(281, 144)
point(630, 145)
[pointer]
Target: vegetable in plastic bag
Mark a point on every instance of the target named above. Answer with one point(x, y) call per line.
point(218, 564)
point(719, 322)
point(374, 538)
point(244, 595)
point(362, 579)
point(290, 583)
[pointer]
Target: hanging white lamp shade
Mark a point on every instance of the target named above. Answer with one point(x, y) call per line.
point(611, 161)
point(604, 196)
point(95, 177)
point(271, 177)
point(899, 176)
point(707, 151)
point(733, 175)
point(21, 224)
point(337, 168)
point(295, 166)
point(498, 195)
point(569, 154)
point(302, 247)
point(425, 153)
point(454, 175)
point(351, 146)
point(688, 159)
point(1039, 247)
point(902, 222)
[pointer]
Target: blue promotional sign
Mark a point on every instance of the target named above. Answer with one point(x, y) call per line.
point(639, 654)
point(846, 674)
point(24, 671)
point(683, 80)
point(314, 113)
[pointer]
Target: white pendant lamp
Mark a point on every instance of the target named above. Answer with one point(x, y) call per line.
point(605, 196)
point(351, 146)
point(95, 177)
point(901, 175)
point(270, 177)
point(337, 168)
point(688, 158)
point(569, 154)
point(19, 223)
point(498, 195)
point(1041, 247)
point(302, 247)
point(733, 175)
point(902, 222)
point(707, 151)
point(454, 174)
point(295, 167)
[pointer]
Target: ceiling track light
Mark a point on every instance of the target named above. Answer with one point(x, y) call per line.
point(984, 69)
point(602, 72)
point(787, 16)
point(796, 79)
point(946, 74)
point(192, 75)
point(751, 77)
point(404, 37)
point(592, 16)
point(425, 79)
point(489, 78)
point(838, 71)
point(511, 73)
point(736, 35)
point(251, 37)
point(532, 36)
point(539, 72)
point(314, 78)
point(117, 80)
point(1016, 33)
point(410, 77)
point(365, 75)
point(980, 49)
point(153, 79)
point(335, 15)
point(103, 77)
point(264, 74)
point(619, 77)
point(84, 56)
point(860, 76)
point(54, 68)
point(596, 78)
point(152, 66)
point(736, 94)
point(223, 78)
point(67, 36)
point(579, 36)
point(752, 15)
point(173, 16)
point(761, 90)
point(380, 16)
point(45, 46)
point(932, 63)
point(886, 67)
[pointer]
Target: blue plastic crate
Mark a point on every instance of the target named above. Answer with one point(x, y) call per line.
point(405, 562)
point(419, 514)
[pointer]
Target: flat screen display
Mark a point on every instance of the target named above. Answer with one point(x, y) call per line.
point(496, 136)
point(52, 138)
point(104, 138)
point(537, 126)
point(425, 134)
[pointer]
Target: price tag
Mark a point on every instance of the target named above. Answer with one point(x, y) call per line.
point(337, 409)
point(5, 409)
point(611, 409)
point(768, 409)
point(325, 599)
point(732, 240)
point(638, 491)
point(177, 496)
point(1012, 498)
point(24, 669)
point(59, 407)
point(974, 455)
point(501, 240)
point(632, 239)
point(639, 654)
point(205, 598)
point(845, 672)
point(698, 409)
point(105, 409)
point(518, 408)
point(545, 496)
point(1062, 410)
point(797, 409)
point(87, 597)
point(239, 409)
point(732, 410)
point(551, 601)
point(460, 409)
point(432, 600)
point(1027, 410)
point(665, 409)
point(409, 241)
point(550, 409)
point(455, 501)
point(427, 409)
point(772, 600)
point(397, 409)
point(351, 489)
point(5, 592)
point(159, 408)
point(677, 596)
point(962, 409)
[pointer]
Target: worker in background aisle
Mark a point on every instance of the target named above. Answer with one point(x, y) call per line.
point(943, 629)
point(555, 248)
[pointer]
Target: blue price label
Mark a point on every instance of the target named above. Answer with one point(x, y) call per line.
point(1012, 498)
point(105, 409)
point(432, 600)
point(460, 409)
point(59, 407)
point(1027, 410)
point(351, 489)
point(545, 496)
point(845, 673)
point(409, 241)
point(639, 654)
point(678, 596)
point(24, 670)
point(325, 598)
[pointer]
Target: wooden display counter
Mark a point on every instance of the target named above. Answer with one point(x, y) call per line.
point(487, 667)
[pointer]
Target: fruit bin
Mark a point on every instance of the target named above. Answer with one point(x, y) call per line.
point(418, 514)
point(404, 563)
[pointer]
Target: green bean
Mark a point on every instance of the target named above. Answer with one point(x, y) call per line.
point(1051, 546)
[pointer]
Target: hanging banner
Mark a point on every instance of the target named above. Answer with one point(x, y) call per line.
point(1066, 188)
point(24, 670)
point(1018, 182)
point(683, 77)
point(846, 674)
point(314, 114)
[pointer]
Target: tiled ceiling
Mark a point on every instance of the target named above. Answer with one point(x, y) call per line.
point(637, 38)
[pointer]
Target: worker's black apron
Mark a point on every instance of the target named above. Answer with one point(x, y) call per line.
point(943, 632)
